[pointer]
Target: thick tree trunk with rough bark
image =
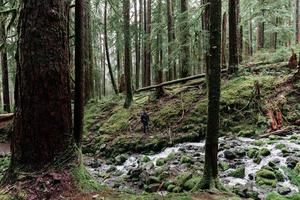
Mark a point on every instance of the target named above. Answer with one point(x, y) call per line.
point(233, 53)
point(210, 174)
point(43, 119)
point(184, 40)
point(4, 66)
point(79, 73)
point(113, 82)
point(127, 51)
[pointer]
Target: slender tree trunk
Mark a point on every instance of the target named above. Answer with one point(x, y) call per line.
point(210, 174)
point(137, 47)
point(43, 117)
point(233, 53)
point(127, 51)
point(224, 38)
point(144, 45)
point(250, 37)
point(297, 21)
point(184, 40)
point(4, 66)
point(205, 27)
point(159, 54)
point(241, 42)
point(148, 44)
point(79, 73)
point(87, 72)
point(261, 32)
point(90, 52)
point(171, 39)
point(113, 82)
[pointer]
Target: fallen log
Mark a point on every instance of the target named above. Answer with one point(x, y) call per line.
point(6, 117)
point(175, 81)
point(282, 132)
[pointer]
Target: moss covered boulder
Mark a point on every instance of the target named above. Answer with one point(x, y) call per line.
point(238, 173)
point(190, 184)
point(264, 152)
point(160, 161)
point(186, 159)
point(266, 177)
point(183, 178)
point(253, 153)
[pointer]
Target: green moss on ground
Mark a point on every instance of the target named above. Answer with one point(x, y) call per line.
point(84, 180)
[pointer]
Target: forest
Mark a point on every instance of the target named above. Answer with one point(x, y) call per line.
point(149, 100)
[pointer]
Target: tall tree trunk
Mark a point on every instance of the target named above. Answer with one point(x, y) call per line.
point(90, 52)
point(144, 45)
point(43, 118)
point(210, 174)
point(127, 51)
point(4, 66)
point(273, 37)
point(137, 46)
point(113, 82)
point(148, 56)
point(79, 73)
point(297, 21)
point(250, 36)
point(87, 72)
point(159, 56)
point(184, 40)
point(233, 53)
point(224, 38)
point(171, 39)
point(241, 42)
point(261, 32)
point(205, 27)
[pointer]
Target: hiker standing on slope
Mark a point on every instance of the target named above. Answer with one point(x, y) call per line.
point(145, 121)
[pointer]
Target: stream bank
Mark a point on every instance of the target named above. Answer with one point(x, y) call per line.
point(251, 168)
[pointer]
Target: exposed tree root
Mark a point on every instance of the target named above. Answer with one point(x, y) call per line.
point(211, 184)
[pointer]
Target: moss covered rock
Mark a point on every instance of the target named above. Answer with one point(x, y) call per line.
point(266, 177)
point(224, 166)
point(264, 152)
point(238, 173)
point(183, 178)
point(186, 159)
point(280, 146)
point(144, 159)
point(160, 162)
point(190, 184)
point(252, 153)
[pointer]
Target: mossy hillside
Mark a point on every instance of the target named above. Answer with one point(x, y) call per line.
point(179, 116)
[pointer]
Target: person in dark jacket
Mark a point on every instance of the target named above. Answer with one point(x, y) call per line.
point(145, 121)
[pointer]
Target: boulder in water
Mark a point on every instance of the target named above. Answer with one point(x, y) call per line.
point(284, 190)
point(266, 177)
point(229, 155)
point(238, 173)
point(264, 152)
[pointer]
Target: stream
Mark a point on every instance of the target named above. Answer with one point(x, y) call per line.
point(132, 173)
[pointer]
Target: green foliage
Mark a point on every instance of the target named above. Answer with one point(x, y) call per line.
point(4, 163)
point(84, 180)
point(276, 196)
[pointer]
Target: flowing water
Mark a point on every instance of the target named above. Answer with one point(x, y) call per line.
point(196, 151)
